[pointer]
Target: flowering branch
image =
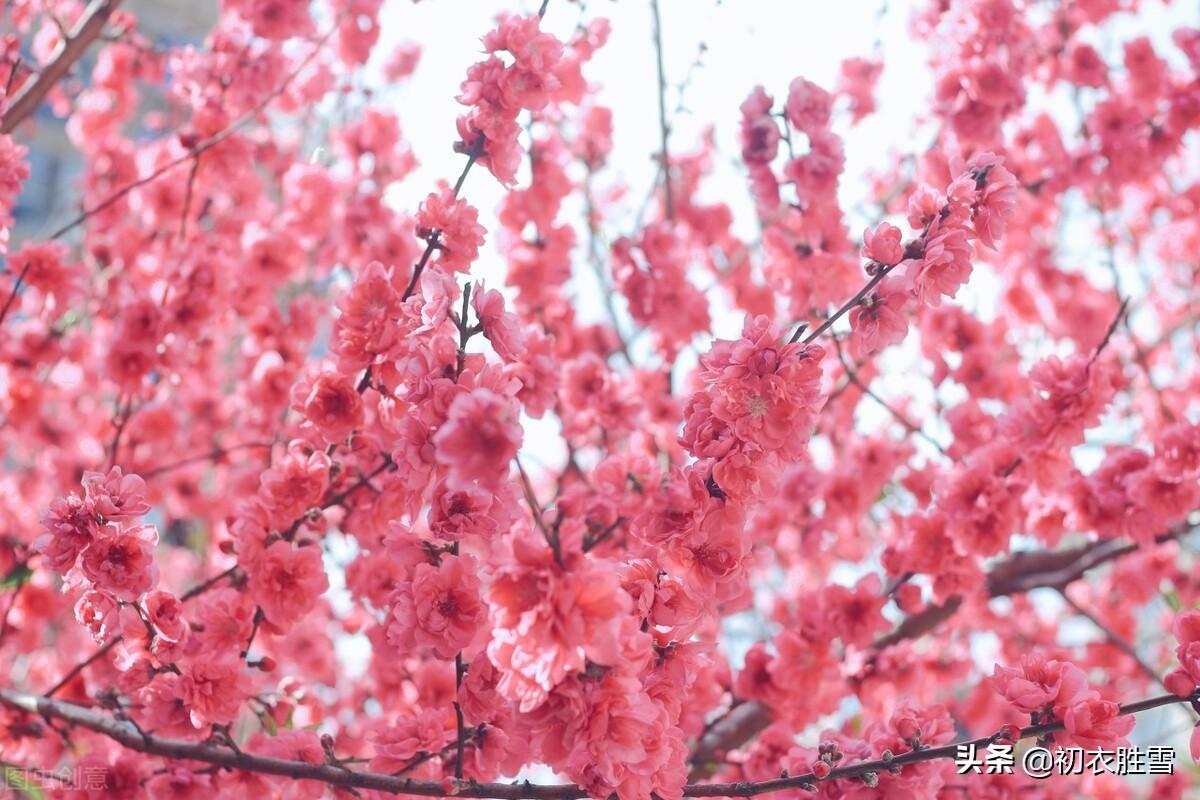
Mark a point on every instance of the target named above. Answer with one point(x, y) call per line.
point(130, 736)
point(1021, 572)
point(73, 46)
point(196, 150)
point(474, 150)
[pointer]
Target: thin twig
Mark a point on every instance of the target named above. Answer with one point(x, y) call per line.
point(1120, 643)
point(459, 723)
point(15, 289)
point(433, 241)
point(113, 642)
point(536, 508)
point(663, 127)
point(854, 378)
point(215, 453)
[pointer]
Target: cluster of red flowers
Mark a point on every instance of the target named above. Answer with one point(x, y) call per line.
point(417, 532)
point(1051, 690)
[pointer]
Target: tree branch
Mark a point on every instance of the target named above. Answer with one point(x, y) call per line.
point(88, 30)
point(865, 388)
point(663, 126)
point(1021, 572)
point(210, 142)
point(128, 735)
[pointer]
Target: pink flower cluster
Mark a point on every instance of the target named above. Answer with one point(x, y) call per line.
point(496, 92)
point(756, 409)
point(1052, 690)
point(660, 295)
point(326, 404)
point(93, 541)
point(13, 172)
point(436, 605)
point(977, 205)
point(1184, 679)
point(908, 728)
point(1139, 494)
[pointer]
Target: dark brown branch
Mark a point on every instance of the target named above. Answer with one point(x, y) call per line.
point(131, 737)
point(432, 243)
point(1021, 572)
point(76, 43)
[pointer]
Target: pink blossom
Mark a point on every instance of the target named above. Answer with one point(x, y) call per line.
point(439, 608)
point(502, 328)
point(808, 106)
point(879, 320)
point(166, 615)
point(295, 484)
point(366, 327)
point(944, 267)
point(996, 189)
point(759, 132)
point(480, 437)
point(123, 564)
point(329, 401)
point(287, 582)
point(855, 614)
point(627, 745)
point(402, 62)
point(98, 612)
point(549, 621)
point(46, 268)
point(457, 512)
point(453, 225)
point(1092, 723)
point(212, 691)
point(397, 745)
point(70, 526)
point(115, 496)
point(882, 245)
point(1040, 683)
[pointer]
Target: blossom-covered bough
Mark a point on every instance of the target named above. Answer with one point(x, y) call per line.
point(276, 521)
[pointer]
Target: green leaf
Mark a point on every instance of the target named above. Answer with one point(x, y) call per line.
point(272, 726)
point(1172, 600)
point(20, 574)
